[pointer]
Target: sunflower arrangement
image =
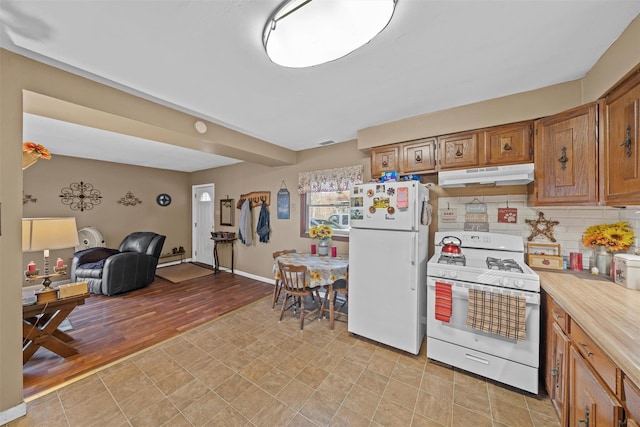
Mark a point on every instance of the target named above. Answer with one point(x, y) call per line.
point(322, 232)
point(614, 237)
point(36, 149)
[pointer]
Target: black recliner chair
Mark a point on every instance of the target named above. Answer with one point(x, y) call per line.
point(115, 271)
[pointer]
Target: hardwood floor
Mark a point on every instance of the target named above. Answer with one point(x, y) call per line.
point(106, 329)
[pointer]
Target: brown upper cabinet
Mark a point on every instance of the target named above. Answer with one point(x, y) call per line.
point(412, 157)
point(566, 151)
point(621, 150)
point(499, 145)
point(460, 150)
point(384, 159)
point(419, 156)
point(509, 144)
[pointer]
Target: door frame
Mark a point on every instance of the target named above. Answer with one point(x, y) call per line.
point(194, 201)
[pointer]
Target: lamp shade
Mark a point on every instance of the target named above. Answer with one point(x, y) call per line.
point(40, 234)
point(303, 33)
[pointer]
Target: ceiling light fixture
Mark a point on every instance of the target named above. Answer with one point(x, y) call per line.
point(303, 33)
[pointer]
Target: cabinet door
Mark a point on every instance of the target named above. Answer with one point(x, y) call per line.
point(621, 154)
point(556, 373)
point(590, 402)
point(384, 159)
point(419, 156)
point(459, 150)
point(509, 144)
point(566, 168)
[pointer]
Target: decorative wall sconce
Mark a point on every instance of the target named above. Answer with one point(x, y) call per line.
point(129, 199)
point(26, 198)
point(80, 196)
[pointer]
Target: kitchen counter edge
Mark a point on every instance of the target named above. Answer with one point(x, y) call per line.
point(608, 313)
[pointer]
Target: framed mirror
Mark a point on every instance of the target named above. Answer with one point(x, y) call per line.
point(226, 212)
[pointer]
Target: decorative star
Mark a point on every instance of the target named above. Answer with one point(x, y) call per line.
point(541, 226)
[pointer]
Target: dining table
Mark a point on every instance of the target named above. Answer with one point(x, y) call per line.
point(321, 270)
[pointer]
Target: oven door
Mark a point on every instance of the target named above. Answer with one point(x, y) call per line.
point(458, 333)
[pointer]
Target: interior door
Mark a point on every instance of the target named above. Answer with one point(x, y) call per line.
point(203, 196)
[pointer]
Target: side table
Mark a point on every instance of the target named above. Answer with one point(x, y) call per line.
point(40, 323)
point(222, 241)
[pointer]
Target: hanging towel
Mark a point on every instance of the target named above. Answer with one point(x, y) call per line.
point(244, 225)
point(497, 314)
point(263, 224)
point(443, 302)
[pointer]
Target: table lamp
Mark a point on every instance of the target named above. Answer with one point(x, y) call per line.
point(44, 234)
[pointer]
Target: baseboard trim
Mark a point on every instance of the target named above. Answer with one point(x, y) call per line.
point(14, 413)
point(271, 281)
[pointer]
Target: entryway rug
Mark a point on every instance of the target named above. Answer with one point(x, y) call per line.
point(181, 272)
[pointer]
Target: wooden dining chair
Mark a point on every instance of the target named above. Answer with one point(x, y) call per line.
point(294, 284)
point(339, 287)
point(278, 286)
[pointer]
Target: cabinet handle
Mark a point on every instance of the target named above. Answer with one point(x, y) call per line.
point(458, 153)
point(556, 315)
point(507, 147)
point(385, 161)
point(563, 159)
point(586, 350)
point(626, 143)
point(418, 156)
point(585, 422)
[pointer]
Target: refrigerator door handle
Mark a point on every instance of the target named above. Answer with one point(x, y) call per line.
point(413, 257)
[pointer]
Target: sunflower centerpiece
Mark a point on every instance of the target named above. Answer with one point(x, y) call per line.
point(323, 233)
point(607, 239)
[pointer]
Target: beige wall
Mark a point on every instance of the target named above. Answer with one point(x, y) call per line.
point(285, 233)
point(57, 94)
point(44, 181)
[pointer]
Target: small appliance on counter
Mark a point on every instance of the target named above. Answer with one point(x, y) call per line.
point(627, 270)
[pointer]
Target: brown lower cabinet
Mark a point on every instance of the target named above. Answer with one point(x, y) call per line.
point(586, 388)
point(590, 401)
point(556, 378)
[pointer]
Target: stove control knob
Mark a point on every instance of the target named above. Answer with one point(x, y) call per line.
point(442, 273)
point(453, 274)
point(519, 283)
point(502, 281)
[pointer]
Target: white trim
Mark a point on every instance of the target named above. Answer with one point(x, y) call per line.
point(14, 413)
point(167, 264)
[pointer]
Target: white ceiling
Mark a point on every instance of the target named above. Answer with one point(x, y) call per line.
point(205, 57)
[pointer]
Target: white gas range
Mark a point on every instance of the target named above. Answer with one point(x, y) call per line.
point(483, 312)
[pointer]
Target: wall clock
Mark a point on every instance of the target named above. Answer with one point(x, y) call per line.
point(163, 199)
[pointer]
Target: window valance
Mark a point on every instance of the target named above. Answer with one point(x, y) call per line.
point(338, 179)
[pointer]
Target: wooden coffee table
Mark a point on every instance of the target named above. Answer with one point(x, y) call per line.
point(40, 324)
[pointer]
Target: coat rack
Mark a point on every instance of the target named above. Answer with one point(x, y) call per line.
point(255, 198)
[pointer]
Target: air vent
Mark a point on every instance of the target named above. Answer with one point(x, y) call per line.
point(329, 142)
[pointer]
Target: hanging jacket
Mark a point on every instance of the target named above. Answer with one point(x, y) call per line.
point(263, 224)
point(244, 225)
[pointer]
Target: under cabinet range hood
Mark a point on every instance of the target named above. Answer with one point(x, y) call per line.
point(497, 175)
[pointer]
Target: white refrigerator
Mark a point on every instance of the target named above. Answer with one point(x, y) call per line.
point(388, 245)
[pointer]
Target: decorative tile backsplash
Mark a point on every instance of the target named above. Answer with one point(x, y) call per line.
point(572, 220)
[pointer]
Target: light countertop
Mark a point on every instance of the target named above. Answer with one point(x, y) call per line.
point(608, 313)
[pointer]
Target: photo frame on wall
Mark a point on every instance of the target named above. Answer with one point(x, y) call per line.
point(283, 202)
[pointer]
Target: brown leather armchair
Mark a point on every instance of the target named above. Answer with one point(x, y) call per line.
point(115, 271)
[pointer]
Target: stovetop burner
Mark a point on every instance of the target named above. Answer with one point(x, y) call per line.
point(503, 264)
point(452, 259)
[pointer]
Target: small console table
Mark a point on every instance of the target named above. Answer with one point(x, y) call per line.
point(40, 323)
point(222, 241)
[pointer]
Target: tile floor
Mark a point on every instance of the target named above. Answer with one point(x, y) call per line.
point(247, 369)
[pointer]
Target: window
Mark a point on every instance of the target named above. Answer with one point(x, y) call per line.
point(331, 208)
point(325, 199)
